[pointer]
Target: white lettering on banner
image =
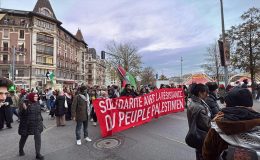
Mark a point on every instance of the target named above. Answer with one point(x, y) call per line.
point(102, 106)
point(121, 117)
point(110, 121)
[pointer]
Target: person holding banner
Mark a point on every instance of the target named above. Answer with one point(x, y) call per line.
point(199, 118)
point(128, 91)
point(79, 112)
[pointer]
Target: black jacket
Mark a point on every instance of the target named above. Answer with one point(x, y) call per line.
point(31, 120)
point(213, 104)
point(60, 106)
point(6, 114)
point(199, 108)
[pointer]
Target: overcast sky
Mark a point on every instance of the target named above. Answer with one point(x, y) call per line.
point(162, 30)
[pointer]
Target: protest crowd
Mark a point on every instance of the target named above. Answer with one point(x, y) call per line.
point(212, 129)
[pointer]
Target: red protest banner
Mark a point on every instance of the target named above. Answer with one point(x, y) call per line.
point(117, 114)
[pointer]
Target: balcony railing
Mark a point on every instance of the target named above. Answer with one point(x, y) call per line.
point(5, 49)
point(12, 22)
point(10, 62)
point(44, 52)
point(8, 50)
point(43, 63)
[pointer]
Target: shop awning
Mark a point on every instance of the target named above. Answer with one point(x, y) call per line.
point(1, 16)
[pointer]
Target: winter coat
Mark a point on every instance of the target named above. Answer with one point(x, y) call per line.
point(226, 132)
point(213, 104)
point(30, 120)
point(60, 106)
point(204, 117)
point(79, 108)
point(6, 113)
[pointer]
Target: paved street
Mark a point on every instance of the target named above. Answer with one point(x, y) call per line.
point(161, 139)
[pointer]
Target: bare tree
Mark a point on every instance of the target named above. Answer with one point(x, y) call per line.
point(147, 76)
point(212, 59)
point(126, 55)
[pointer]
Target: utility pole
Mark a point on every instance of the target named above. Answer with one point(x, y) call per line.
point(181, 69)
point(224, 42)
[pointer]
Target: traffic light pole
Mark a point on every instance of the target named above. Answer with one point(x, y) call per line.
point(13, 65)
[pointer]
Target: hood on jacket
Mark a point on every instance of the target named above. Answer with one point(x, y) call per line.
point(239, 125)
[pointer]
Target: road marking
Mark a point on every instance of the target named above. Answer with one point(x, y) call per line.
point(48, 128)
point(172, 139)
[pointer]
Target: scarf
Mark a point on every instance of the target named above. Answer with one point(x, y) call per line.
point(84, 97)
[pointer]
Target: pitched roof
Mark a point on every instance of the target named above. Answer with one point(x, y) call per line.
point(43, 4)
point(79, 35)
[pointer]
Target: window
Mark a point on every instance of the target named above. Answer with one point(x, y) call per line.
point(20, 73)
point(21, 57)
point(5, 58)
point(21, 47)
point(6, 33)
point(5, 44)
point(21, 35)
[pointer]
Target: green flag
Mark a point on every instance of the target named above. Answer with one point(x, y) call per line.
point(131, 80)
point(51, 77)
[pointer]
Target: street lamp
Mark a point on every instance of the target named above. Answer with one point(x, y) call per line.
point(224, 42)
point(15, 50)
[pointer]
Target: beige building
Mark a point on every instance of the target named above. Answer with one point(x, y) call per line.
point(42, 45)
point(95, 69)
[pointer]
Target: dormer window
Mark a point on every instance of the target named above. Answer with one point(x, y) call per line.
point(46, 12)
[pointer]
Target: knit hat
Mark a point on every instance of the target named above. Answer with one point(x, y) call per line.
point(23, 91)
point(212, 86)
point(239, 97)
point(30, 97)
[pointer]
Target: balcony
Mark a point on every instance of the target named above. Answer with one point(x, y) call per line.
point(44, 52)
point(5, 49)
point(12, 22)
point(43, 63)
point(10, 62)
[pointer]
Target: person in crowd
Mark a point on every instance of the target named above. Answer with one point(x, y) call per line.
point(52, 105)
point(236, 125)
point(199, 108)
point(237, 85)
point(93, 116)
point(4, 85)
point(113, 92)
point(80, 114)
point(60, 109)
point(128, 91)
point(186, 94)
point(31, 123)
point(211, 100)
point(258, 92)
point(229, 88)
point(221, 93)
point(6, 114)
point(15, 100)
point(49, 93)
point(142, 91)
point(134, 91)
point(162, 86)
point(116, 91)
point(68, 96)
point(245, 83)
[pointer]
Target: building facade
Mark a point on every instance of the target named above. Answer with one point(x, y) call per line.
point(37, 44)
point(95, 68)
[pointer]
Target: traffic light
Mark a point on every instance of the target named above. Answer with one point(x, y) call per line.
point(103, 55)
point(221, 52)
